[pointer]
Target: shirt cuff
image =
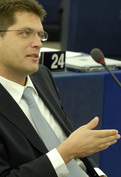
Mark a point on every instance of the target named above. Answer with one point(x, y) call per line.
point(58, 163)
point(100, 172)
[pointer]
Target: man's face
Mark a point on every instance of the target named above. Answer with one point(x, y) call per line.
point(20, 55)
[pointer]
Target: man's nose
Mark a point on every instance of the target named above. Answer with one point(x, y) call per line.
point(37, 41)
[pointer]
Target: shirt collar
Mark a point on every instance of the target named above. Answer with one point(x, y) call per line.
point(16, 90)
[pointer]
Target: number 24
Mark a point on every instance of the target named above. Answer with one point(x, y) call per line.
point(58, 61)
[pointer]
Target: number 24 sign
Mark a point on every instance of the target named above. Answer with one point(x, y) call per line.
point(55, 61)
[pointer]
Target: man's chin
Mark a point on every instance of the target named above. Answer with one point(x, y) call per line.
point(33, 70)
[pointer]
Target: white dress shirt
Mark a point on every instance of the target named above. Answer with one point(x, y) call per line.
point(16, 91)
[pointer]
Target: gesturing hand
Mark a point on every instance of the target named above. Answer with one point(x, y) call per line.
point(85, 141)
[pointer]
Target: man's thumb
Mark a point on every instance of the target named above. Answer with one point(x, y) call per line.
point(93, 123)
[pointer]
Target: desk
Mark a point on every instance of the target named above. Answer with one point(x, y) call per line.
point(86, 95)
point(110, 159)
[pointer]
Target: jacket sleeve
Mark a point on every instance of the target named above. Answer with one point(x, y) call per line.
point(38, 167)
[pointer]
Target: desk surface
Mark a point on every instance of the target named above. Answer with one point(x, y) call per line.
point(86, 95)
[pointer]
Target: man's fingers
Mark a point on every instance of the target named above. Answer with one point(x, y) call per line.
point(105, 142)
point(105, 133)
point(110, 138)
point(106, 145)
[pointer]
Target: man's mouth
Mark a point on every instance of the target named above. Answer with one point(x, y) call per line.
point(33, 55)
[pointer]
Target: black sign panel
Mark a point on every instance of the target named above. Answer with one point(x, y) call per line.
point(55, 61)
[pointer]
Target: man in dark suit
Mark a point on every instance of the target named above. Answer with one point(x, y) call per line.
point(22, 151)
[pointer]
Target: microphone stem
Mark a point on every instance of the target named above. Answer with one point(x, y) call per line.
point(117, 81)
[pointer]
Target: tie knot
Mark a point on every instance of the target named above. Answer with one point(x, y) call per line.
point(27, 95)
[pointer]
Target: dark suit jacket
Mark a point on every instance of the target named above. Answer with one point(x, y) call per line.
point(22, 153)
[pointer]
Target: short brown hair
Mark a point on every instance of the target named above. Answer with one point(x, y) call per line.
point(9, 7)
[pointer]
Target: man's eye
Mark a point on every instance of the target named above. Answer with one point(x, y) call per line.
point(26, 33)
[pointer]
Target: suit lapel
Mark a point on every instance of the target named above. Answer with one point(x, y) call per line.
point(15, 115)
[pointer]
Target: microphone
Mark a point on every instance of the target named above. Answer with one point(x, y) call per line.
point(98, 56)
